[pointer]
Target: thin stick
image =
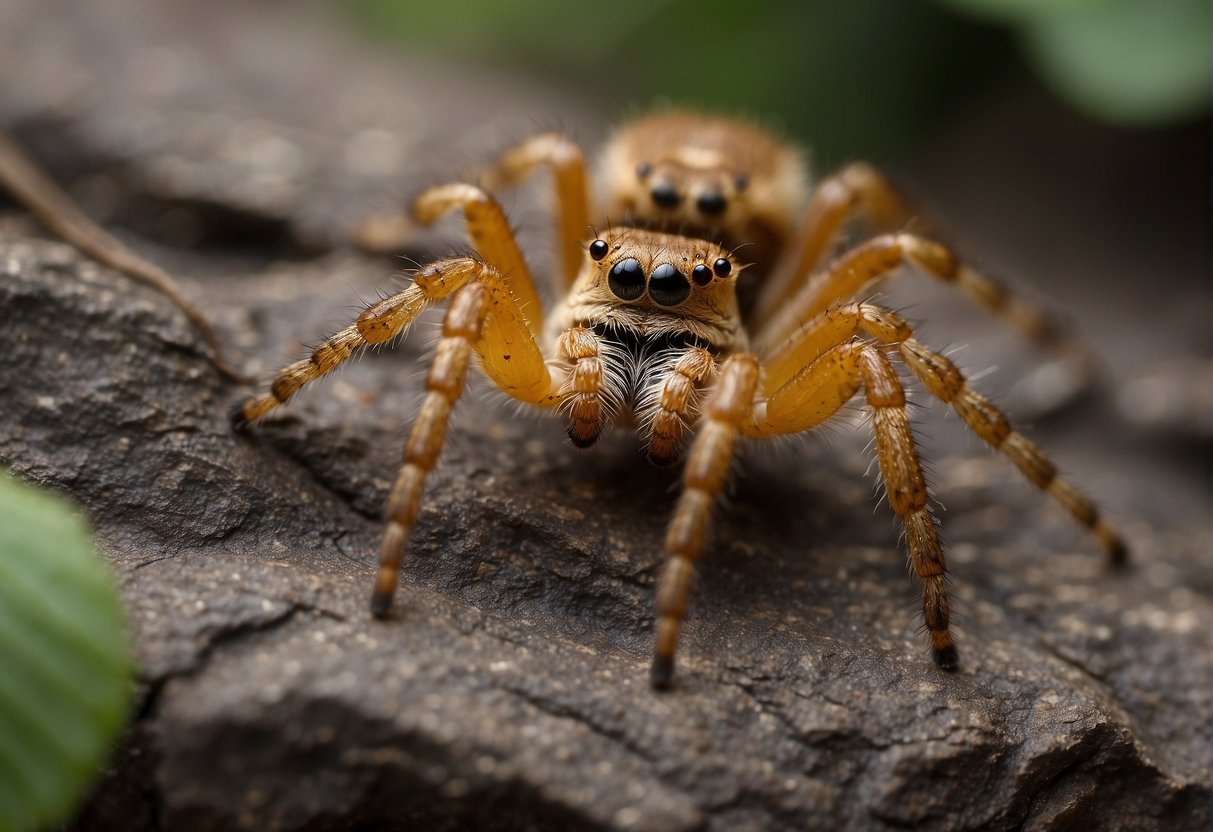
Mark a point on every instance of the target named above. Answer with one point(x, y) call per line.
point(55, 210)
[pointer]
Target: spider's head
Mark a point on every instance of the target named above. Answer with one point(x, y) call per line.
point(655, 276)
point(704, 176)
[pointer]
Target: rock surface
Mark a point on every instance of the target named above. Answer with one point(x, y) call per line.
point(510, 692)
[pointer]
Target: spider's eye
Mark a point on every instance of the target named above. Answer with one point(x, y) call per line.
point(741, 182)
point(722, 267)
point(627, 279)
point(643, 170)
point(666, 195)
point(713, 202)
point(668, 286)
point(701, 274)
point(598, 249)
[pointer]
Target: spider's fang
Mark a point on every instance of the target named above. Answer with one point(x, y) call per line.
point(662, 672)
point(947, 658)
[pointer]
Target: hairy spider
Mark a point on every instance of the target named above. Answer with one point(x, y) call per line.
point(651, 331)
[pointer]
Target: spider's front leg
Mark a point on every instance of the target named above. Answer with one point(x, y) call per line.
point(485, 317)
point(461, 329)
point(808, 399)
point(728, 409)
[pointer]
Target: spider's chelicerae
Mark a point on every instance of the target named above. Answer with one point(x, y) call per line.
point(672, 334)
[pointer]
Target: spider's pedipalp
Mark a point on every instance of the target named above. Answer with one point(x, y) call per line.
point(669, 406)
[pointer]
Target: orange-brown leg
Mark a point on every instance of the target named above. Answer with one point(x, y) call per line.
point(572, 191)
point(509, 353)
point(376, 325)
point(947, 383)
point(882, 257)
point(813, 396)
point(444, 385)
point(857, 190)
point(728, 408)
point(793, 400)
point(491, 236)
point(670, 406)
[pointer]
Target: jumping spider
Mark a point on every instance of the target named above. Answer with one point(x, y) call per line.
point(663, 331)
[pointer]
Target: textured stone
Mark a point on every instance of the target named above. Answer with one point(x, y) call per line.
point(510, 691)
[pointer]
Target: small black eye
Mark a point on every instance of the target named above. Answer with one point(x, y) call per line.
point(712, 203)
point(627, 279)
point(643, 170)
point(741, 182)
point(598, 249)
point(701, 274)
point(722, 267)
point(666, 195)
point(668, 286)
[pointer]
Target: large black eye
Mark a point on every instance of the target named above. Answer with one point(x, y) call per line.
point(668, 286)
point(643, 170)
point(666, 195)
point(701, 274)
point(712, 202)
point(722, 267)
point(627, 279)
point(598, 249)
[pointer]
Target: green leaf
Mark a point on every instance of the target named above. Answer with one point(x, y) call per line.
point(1127, 61)
point(65, 667)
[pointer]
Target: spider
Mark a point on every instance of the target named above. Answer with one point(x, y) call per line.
point(659, 328)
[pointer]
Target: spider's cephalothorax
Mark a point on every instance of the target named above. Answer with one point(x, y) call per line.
point(718, 179)
point(648, 333)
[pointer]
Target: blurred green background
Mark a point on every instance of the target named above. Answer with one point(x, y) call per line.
point(874, 78)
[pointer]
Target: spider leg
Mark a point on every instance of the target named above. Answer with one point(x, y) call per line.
point(857, 189)
point(461, 329)
point(943, 379)
point(727, 410)
point(491, 236)
point(814, 395)
point(947, 383)
point(509, 353)
point(572, 191)
point(882, 257)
